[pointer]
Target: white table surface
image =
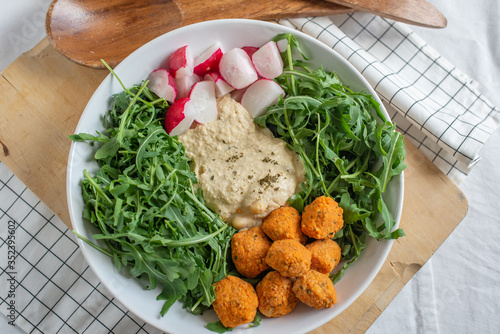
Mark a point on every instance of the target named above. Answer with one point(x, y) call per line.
point(458, 289)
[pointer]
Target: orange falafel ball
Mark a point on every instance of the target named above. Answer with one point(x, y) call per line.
point(315, 290)
point(284, 223)
point(322, 218)
point(235, 302)
point(289, 257)
point(248, 251)
point(276, 297)
point(326, 255)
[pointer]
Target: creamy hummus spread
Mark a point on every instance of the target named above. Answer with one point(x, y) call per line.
point(243, 171)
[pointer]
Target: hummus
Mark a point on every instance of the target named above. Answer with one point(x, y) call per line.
point(243, 171)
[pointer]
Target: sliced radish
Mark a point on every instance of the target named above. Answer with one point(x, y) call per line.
point(179, 117)
point(237, 94)
point(209, 60)
point(267, 61)
point(250, 50)
point(162, 83)
point(203, 101)
point(221, 87)
point(181, 62)
point(282, 45)
point(237, 68)
point(184, 85)
point(260, 95)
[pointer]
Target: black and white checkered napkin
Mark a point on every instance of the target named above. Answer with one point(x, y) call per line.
point(47, 287)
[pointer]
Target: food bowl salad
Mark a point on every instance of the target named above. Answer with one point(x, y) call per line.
point(150, 217)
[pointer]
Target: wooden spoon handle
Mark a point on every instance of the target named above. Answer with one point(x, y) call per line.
point(86, 31)
point(416, 12)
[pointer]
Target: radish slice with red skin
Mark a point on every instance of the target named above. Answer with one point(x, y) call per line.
point(178, 118)
point(237, 68)
point(209, 60)
point(184, 85)
point(163, 84)
point(282, 45)
point(260, 95)
point(267, 61)
point(221, 87)
point(203, 102)
point(237, 94)
point(181, 62)
point(250, 50)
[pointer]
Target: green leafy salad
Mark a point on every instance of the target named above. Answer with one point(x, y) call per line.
point(153, 221)
point(339, 141)
point(143, 201)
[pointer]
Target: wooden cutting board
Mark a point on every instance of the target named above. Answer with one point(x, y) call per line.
point(42, 95)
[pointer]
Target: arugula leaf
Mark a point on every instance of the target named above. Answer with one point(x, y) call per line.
point(218, 327)
point(143, 200)
point(256, 321)
point(348, 153)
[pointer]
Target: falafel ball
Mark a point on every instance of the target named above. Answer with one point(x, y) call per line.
point(284, 223)
point(248, 251)
point(322, 218)
point(289, 257)
point(315, 290)
point(326, 255)
point(276, 297)
point(236, 301)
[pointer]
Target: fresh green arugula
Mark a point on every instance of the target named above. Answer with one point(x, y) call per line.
point(218, 327)
point(348, 153)
point(151, 219)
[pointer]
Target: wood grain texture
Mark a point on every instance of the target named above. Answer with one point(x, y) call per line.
point(42, 96)
point(416, 12)
point(86, 31)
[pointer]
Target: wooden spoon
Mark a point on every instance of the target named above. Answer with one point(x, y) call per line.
point(416, 12)
point(86, 31)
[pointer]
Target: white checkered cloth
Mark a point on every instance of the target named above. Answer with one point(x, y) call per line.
point(53, 289)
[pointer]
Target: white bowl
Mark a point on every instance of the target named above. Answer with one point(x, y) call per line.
point(134, 69)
